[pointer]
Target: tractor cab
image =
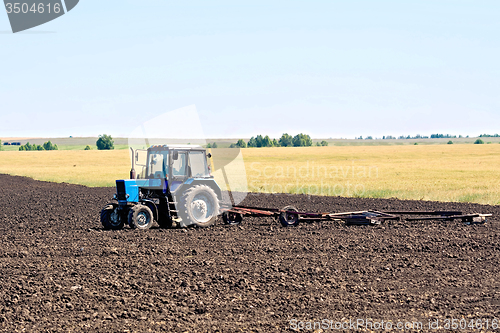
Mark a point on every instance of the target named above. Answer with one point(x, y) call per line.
point(175, 163)
point(174, 185)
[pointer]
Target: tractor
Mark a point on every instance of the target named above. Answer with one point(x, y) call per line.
point(175, 188)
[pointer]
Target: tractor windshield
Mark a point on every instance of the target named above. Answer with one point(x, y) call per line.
point(198, 163)
point(158, 164)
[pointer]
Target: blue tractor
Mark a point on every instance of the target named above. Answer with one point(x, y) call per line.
point(174, 188)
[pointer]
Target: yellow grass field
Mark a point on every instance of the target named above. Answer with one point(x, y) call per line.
point(86, 167)
point(464, 173)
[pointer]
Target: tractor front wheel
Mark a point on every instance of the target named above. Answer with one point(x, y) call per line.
point(199, 206)
point(111, 218)
point(140, 217)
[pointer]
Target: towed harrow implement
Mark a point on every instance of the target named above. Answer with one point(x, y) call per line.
point(290, 216)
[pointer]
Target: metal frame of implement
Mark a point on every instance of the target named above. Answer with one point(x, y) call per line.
point(289, 216)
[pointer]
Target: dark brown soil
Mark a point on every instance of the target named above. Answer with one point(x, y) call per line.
point(61, 272)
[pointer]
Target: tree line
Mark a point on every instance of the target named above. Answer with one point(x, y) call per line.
point(104, 142)
point(286, 140)
point(46, 146)
point(418, 136)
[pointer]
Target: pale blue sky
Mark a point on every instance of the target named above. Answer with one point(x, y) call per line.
point(326, 68)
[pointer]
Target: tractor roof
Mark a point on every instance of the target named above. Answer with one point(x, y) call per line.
point(183, 147)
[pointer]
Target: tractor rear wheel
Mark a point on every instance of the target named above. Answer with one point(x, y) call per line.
point(111, 218)
point(287, 219)
point(199, 206)
point(140, 217)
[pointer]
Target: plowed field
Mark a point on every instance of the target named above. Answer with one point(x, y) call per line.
point(61, 272)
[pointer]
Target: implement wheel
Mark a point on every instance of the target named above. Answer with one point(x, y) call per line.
point(232, 218)
point(111, 218)
point(140, 217)
point(287, 219)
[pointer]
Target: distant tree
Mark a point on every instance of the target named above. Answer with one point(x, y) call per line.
point(286, 140)
point(1, 147)
point(478, 142)
point(267, 142)
point(415, 144)
point(88, 147)
point(209, 145)
point(275, 143)
point(318, 144)
point(324, 143)
point(39, 147)
point(214, 145)
point(241, 143)
point(105, 142)
point(450, 142)
point(302, 140)
point(259, 141)
point(252, 142)
point(369, 138)
point(49, 146)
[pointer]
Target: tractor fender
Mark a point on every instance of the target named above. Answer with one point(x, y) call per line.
point(202, 181)
point(113, 203)
point(151, 205)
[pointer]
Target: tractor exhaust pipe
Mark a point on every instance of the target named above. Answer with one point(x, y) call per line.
point(133, 175)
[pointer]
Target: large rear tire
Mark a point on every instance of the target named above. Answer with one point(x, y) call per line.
point(111, 218)
point(199, 206)
point(140, 217)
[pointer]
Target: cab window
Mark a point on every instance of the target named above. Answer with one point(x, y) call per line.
point(158, 164)
point(198, 163)
point(179, 165)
